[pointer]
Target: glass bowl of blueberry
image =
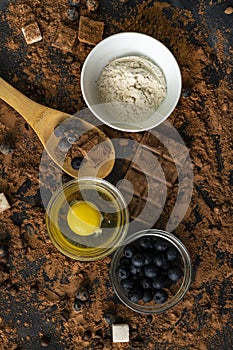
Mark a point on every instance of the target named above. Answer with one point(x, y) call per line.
point(151, 271)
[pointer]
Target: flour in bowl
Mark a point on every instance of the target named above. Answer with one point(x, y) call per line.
point(133, 86)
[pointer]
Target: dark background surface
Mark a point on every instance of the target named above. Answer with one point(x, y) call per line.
point(211, 20)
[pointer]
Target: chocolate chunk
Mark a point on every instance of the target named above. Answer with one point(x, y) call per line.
point(65, 39)
point(32, 33)
point(145, 161)
point(157, 192)
point(151, 142)
point(90, 32)
point(170, 171)
point(98, 153)
point(139, 181)
point(135, 205)
point(174, 151)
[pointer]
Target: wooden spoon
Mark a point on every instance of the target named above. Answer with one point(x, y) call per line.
point(44, 120)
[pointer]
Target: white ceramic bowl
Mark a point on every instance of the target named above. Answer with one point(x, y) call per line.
point(128, 44)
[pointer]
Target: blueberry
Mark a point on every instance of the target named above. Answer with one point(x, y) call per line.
point(140, 271)
point(6, 148)
point(146, 283)
point(71, 138)
point(122, 271)
point(127, 284)
point(78, 304)
point(174, 273)
point(161, 244)
point(168, 283)
point(136, 271)
point(135, 278)
point(186, 92)
point(59, 131)
point(82, 294)
point(145, 242)
point(63, 145)
point(172, 253)
point(76, 162)
point(125, 261)
point(166, 265)
point(160, 282)
point(160, 259)
point(129, 250)
point(147, 296)
point(133, 270)
point(110, 317)
point(135, 295)
point(75, 3)
point(72, 14)
point(149, 256)
point(151, 271)
point(138, 260)
point(160, 296)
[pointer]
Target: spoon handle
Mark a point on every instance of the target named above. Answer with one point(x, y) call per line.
point(31, 111)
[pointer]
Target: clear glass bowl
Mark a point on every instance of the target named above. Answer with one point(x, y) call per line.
point(178, 290)
point(115, 218)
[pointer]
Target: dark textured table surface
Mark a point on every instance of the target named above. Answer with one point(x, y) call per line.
point(35, 302)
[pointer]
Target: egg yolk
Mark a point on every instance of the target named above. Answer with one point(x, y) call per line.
point(84, 218)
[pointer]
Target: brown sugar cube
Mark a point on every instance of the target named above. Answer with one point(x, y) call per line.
point(65, 39)
point(4, 205)
point(32, 33)
point(89, 31)
point(228, 10)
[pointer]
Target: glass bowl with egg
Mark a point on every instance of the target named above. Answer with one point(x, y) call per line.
point(87, 218)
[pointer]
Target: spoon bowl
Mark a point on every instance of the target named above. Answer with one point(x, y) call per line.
point(44, 120)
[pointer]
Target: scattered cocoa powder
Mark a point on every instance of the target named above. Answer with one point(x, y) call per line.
point(38, 284)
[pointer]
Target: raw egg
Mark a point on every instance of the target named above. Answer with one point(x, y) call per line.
point(84, 218)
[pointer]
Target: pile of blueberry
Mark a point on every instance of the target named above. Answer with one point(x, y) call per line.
point(148, 268)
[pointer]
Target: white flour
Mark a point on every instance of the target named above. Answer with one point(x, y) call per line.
point(133, 86)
